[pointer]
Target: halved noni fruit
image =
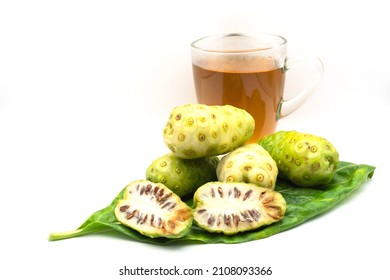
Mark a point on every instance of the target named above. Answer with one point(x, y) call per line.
point(153, 210)
point(233, 207)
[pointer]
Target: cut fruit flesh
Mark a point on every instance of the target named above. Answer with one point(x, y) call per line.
point(235, 207)
point(153, 210)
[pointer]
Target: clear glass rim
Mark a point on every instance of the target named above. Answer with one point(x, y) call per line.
point(278, 42)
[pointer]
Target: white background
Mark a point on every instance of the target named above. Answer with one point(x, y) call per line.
point(86, 88)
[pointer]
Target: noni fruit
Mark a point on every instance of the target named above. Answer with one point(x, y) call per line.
point(305, 159)
point(250, 163)
point(153, 210)
point(197, 130)
point(182, 176)
point(231, 207)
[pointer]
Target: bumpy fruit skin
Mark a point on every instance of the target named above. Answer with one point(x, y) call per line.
point(230, 207)
point(182, 176)
point(197, 130)
point(250, 163)
point(153, 210)
point(305, 159)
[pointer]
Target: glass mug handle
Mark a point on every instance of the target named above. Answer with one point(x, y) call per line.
point(288, 106)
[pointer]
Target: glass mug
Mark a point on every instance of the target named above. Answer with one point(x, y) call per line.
point(248, 71)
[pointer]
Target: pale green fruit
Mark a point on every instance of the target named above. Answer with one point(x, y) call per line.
point(182, 176)
point(250, 163)
point(305, 159)
point(197, 130)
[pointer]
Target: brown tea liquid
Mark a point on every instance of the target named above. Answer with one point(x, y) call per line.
point(259, 93)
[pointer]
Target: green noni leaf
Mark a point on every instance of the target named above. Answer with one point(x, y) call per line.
point(302, 204)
